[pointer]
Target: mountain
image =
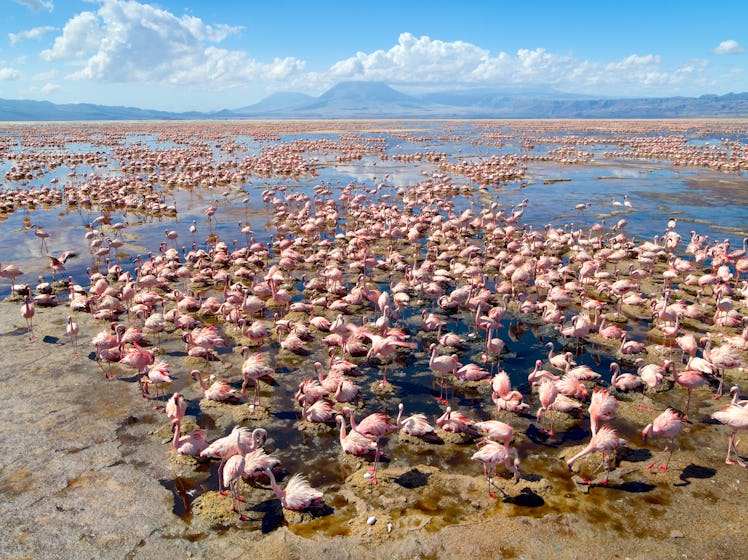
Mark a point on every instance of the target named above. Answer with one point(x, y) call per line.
point(371, 100)
point(353, 100)
point(25, 110)
point(277, 102)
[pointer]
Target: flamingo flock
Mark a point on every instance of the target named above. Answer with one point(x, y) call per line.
point(367, 285)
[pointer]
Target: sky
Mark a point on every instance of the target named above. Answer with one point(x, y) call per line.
point(206, 56)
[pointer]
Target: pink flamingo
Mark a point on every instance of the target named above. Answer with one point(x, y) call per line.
point(139, 358)
point(548, 392)
point(233, 469)
point(537, 375)
point(239, 441)
point(559, 361)
point(72, 331)
point(298, 494)
point(605, 441)
point(624, 381)
point(493, 453)
point(192, 443)
point(375, 426)
point(602, 407)
point(443, 365)
point(723, 357)
point(415, 425)
point(254, 367)
point(455, 422)
point(689, 379)
point(27, 312)
point(158, 374)
point(354, 443)
point(735, 416)
point(319, 412)
point(220, 390)
point(495, 430)
point(381, 346)
point(175, 409)
point(256, 461)
point(667, 425)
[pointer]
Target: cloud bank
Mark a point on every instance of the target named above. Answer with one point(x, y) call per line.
point(129, 42)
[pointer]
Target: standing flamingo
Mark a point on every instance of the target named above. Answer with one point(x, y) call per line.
point(27, 312)
point(667, 425)
point(689, 379)
point(492, 453)
point(443, 365)
point(353, 442)
point(602, 408)
point(735, 416)
point(254, 367)
point(605, 441)
point(548, 392)
point(175, 408)
point(375, 426)
point(72, 331)
point(239, 441)
point(232, 472)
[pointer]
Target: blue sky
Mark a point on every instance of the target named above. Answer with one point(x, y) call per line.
point(212, 55)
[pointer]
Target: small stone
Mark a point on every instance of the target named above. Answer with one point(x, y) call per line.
point(367, 475)
point(676, 535)
point(371, 520)
point(389, 527)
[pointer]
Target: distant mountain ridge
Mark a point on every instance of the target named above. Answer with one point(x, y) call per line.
point(371, 100)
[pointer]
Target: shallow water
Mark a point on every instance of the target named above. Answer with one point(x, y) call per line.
point(695, 196)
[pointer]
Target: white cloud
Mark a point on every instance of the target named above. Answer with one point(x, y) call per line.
point(425, 62)
point(7, 74)
point(80, 36)
point(34, 33)
point(37, 5)
point(127, 41)
point(729, 46)
point(49, 88)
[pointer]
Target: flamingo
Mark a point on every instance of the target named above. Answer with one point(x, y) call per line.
point(375, 426)
point(493, 453)
point(72, 331)
point(443, 365)
point(354, 443)
point(192, 443)
point(415, 425)
point(232, 472)
point(175, 409)
point(689, 379)
point(495, 430)
point(736, 417)
point(254, 367)
point(382, 346)
point(605, 441)
point(27, 312)
point(559, 361)
point(548, 392)
point(239, 441)
point(298, 494)
point(602, 407)
point(624, 381)
point(667, 425)
point(220, 390)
